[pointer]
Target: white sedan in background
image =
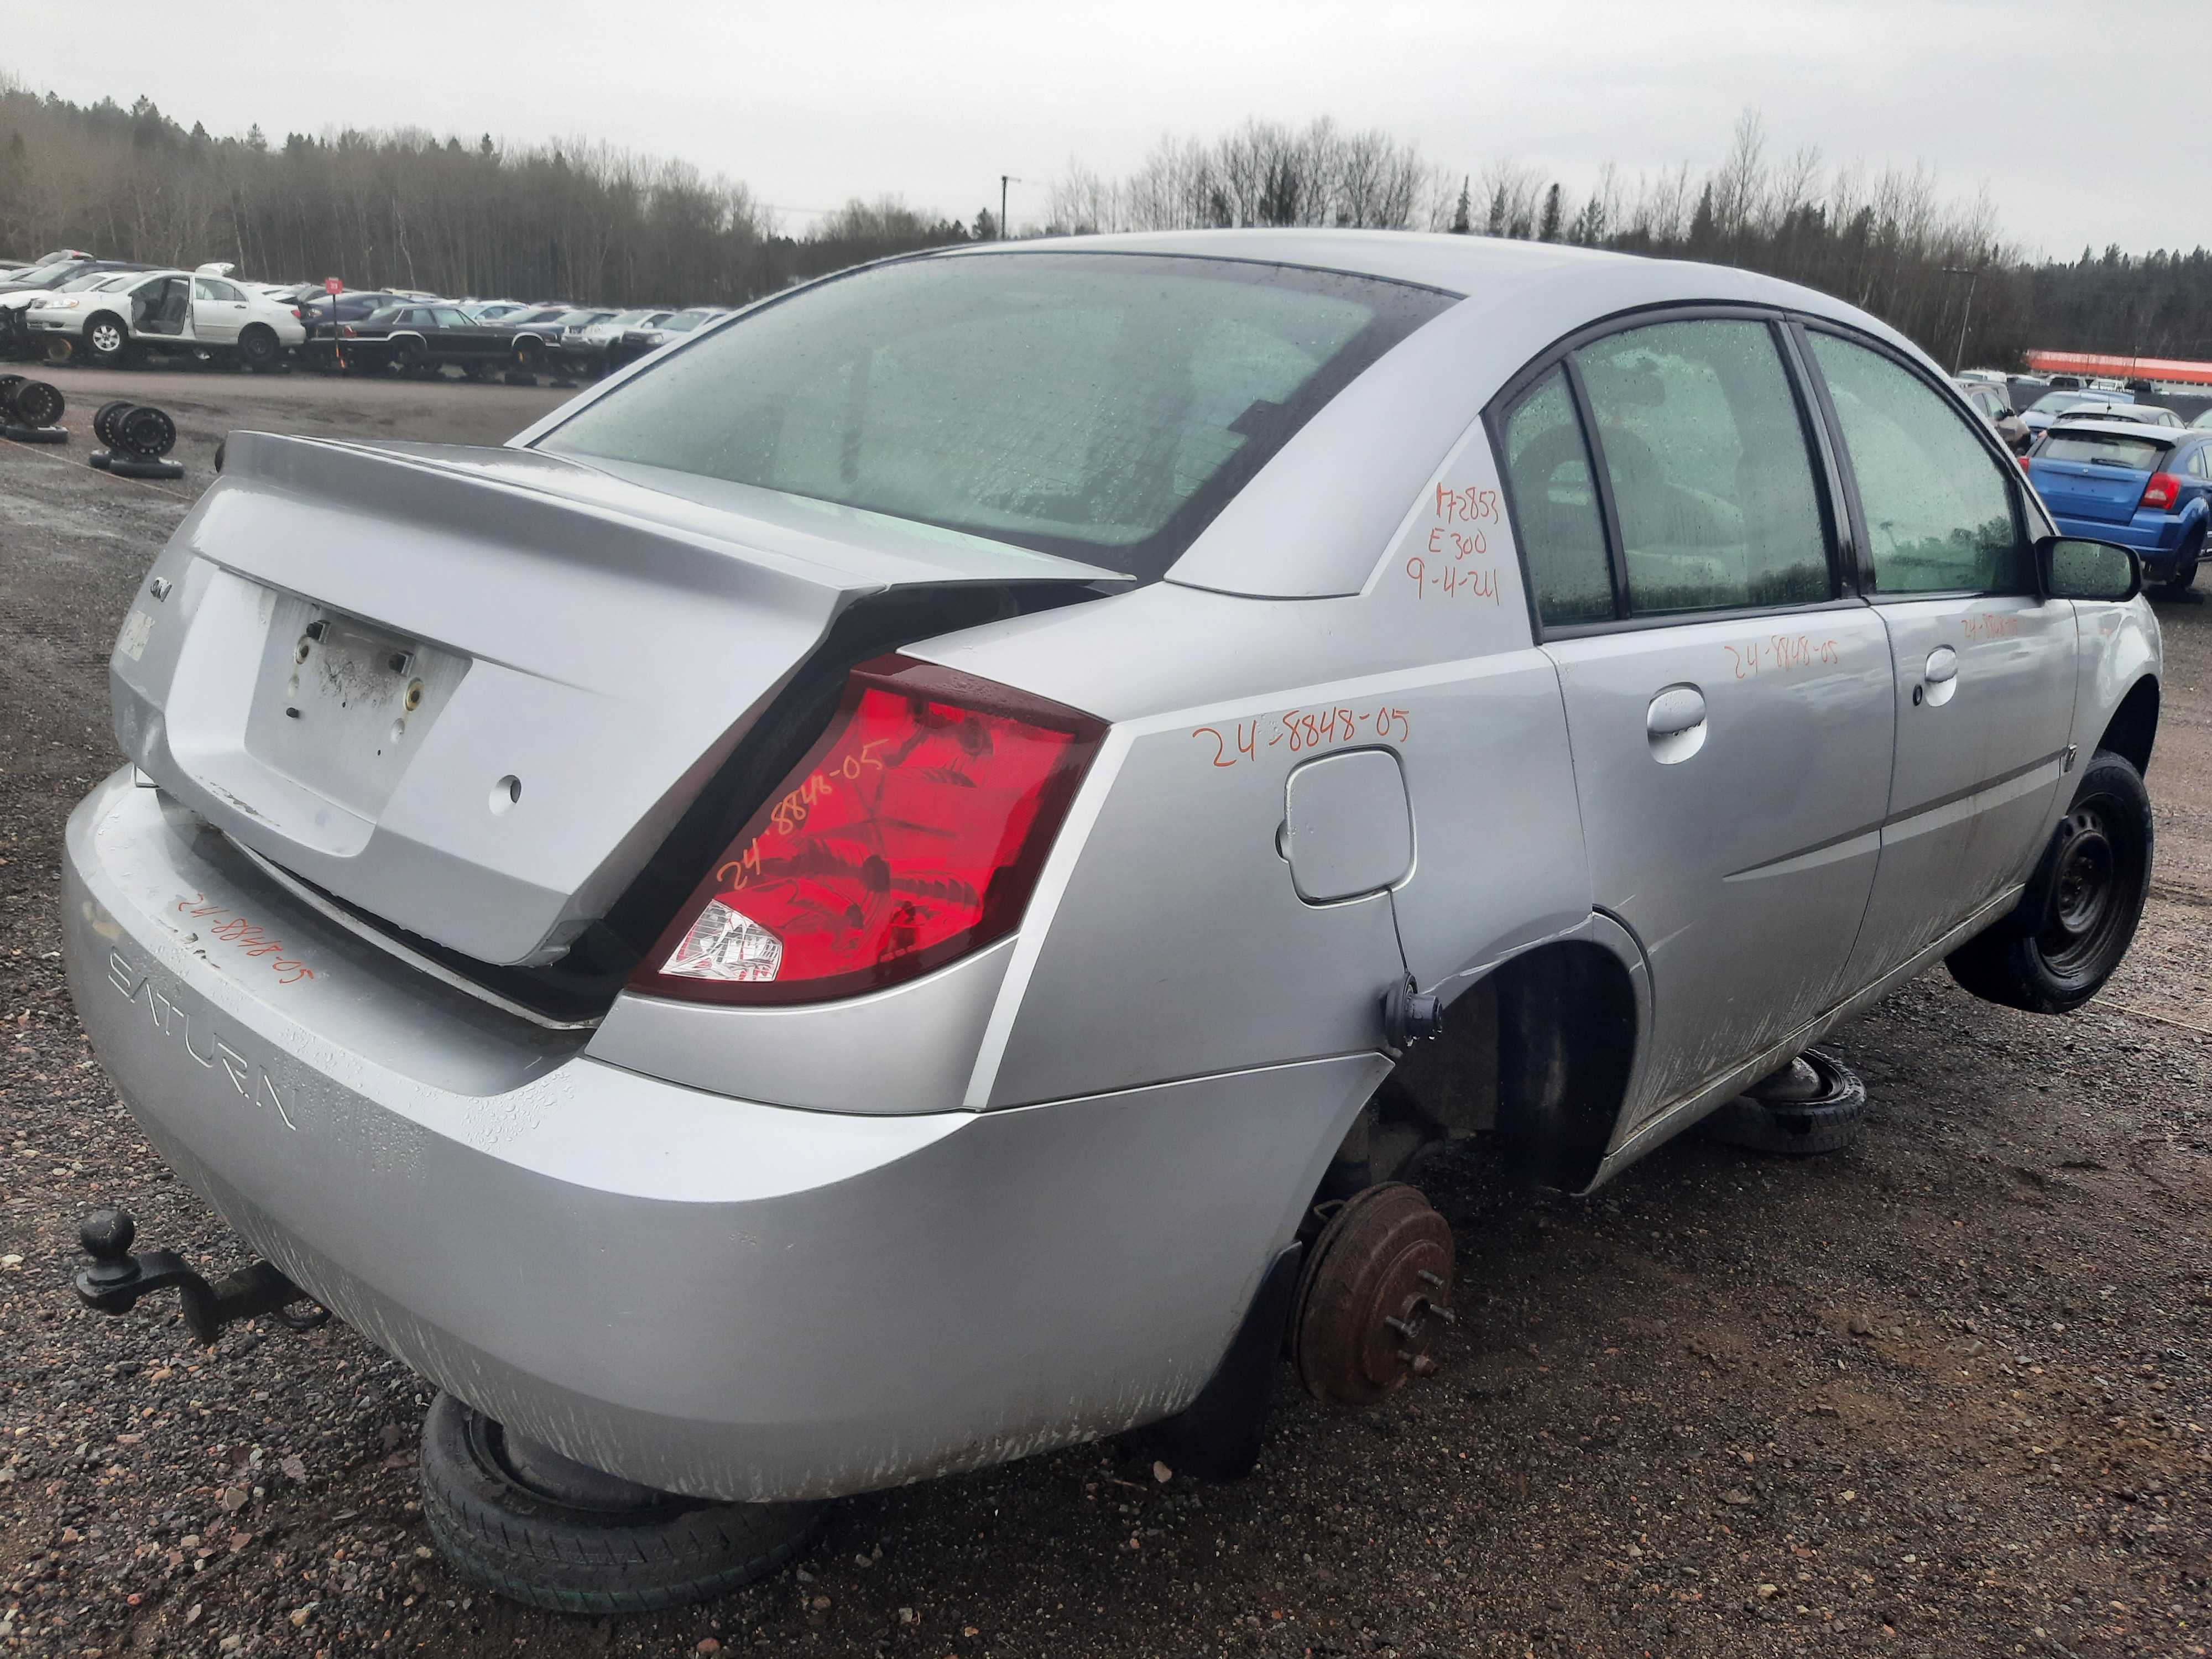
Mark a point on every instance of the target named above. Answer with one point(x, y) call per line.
point(202, 312)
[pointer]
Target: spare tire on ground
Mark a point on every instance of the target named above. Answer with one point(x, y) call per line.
point(537, 1527)
point(1814, 1104)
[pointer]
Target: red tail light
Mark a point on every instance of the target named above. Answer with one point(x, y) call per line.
point(2163, 490)
point(349, 331)
point(911, 835)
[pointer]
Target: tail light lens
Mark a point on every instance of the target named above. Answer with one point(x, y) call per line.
point(2163, 490)
point(910, 835)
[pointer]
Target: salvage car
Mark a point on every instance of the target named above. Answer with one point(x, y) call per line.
point(590, 350)
point(196, 312)
point(421, 339)
point(636, 343)
point(900, 886)
point(1994, 404)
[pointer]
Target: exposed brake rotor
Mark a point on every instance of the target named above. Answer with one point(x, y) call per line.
point(1376, 1284)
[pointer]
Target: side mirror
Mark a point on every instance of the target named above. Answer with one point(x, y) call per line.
point(2075, 568)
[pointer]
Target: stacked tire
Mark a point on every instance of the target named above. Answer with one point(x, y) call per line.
point(30, 410)
point(136, 439)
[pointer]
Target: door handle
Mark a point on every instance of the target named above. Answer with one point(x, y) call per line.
point(1942, 677)
point(1674, 724)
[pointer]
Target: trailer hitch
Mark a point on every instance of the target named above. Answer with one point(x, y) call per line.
point(117, 1279)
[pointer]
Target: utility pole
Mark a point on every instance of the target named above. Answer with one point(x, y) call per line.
point(1973, 276)
point(1005, 179)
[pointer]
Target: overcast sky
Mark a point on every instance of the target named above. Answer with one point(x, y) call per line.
point(932, 99)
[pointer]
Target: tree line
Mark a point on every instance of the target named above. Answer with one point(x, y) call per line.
point(584, 221)
point(408, 209)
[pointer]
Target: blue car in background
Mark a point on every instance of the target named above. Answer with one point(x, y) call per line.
point(2147, 487)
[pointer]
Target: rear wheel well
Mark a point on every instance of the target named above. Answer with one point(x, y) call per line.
point(1540, 1052)
point(2134, 726)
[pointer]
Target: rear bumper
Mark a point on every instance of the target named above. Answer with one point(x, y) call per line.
point(707, 1294)
point(2156, 536)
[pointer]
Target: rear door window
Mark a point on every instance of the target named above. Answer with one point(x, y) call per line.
point(1700, 438)
point(1553, 498)
point(1938, 506)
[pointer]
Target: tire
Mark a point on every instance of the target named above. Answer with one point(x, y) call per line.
point(1827, 1117)
point(614, 1555)
point(530, 355)
point(107, 341)
point(2185, 570)
point(258, 350)
point(408, 358)
point(2078, 916)
point(104, 419)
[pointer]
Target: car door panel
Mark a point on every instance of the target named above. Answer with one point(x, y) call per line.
point(1984, 666)
point(1742, 865)
point(1728, 713)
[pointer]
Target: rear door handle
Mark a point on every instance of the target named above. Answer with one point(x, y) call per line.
point(1674, 724)
point(1942, 679)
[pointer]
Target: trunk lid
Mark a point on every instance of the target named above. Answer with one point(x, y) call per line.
point(471, 690)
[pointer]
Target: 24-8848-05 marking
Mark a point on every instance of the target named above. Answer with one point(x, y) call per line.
point(1301, 729)
point(1781, 653)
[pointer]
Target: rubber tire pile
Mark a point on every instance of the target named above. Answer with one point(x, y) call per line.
point(135, 438)
point(31, 411)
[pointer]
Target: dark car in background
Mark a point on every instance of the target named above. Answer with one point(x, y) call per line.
point(318, 311)
point(417, 339)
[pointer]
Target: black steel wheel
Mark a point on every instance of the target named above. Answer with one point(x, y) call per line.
point(2079, 914)
point(537, 1527)
point(258, 348)
point(1814, 1104)
point(530, 354)
point(34, 403)
point(104, 419)
point(143, 431)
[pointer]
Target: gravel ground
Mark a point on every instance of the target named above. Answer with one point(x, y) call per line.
point(1944, 1393)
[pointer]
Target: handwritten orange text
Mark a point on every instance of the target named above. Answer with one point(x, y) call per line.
point(1780, 654)
point(1991, 625)
point(233, 929)
point(1298, 730)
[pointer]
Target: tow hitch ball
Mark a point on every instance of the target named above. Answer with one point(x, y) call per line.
point(117, 1279)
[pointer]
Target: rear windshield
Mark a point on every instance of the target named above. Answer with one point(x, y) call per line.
point(2051, 401)
point(2102, 449)
point(1101, 406)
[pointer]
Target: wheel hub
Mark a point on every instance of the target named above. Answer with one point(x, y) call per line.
point(2083, 883)
point(1377, 1286)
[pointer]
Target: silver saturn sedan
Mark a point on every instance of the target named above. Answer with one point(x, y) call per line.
point(898, 885)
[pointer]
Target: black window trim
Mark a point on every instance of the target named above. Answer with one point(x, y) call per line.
point(2008, 467)
point(1840, 530)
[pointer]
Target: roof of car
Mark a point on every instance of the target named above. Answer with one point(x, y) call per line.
point(1489, 270)
point(2119, 428)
